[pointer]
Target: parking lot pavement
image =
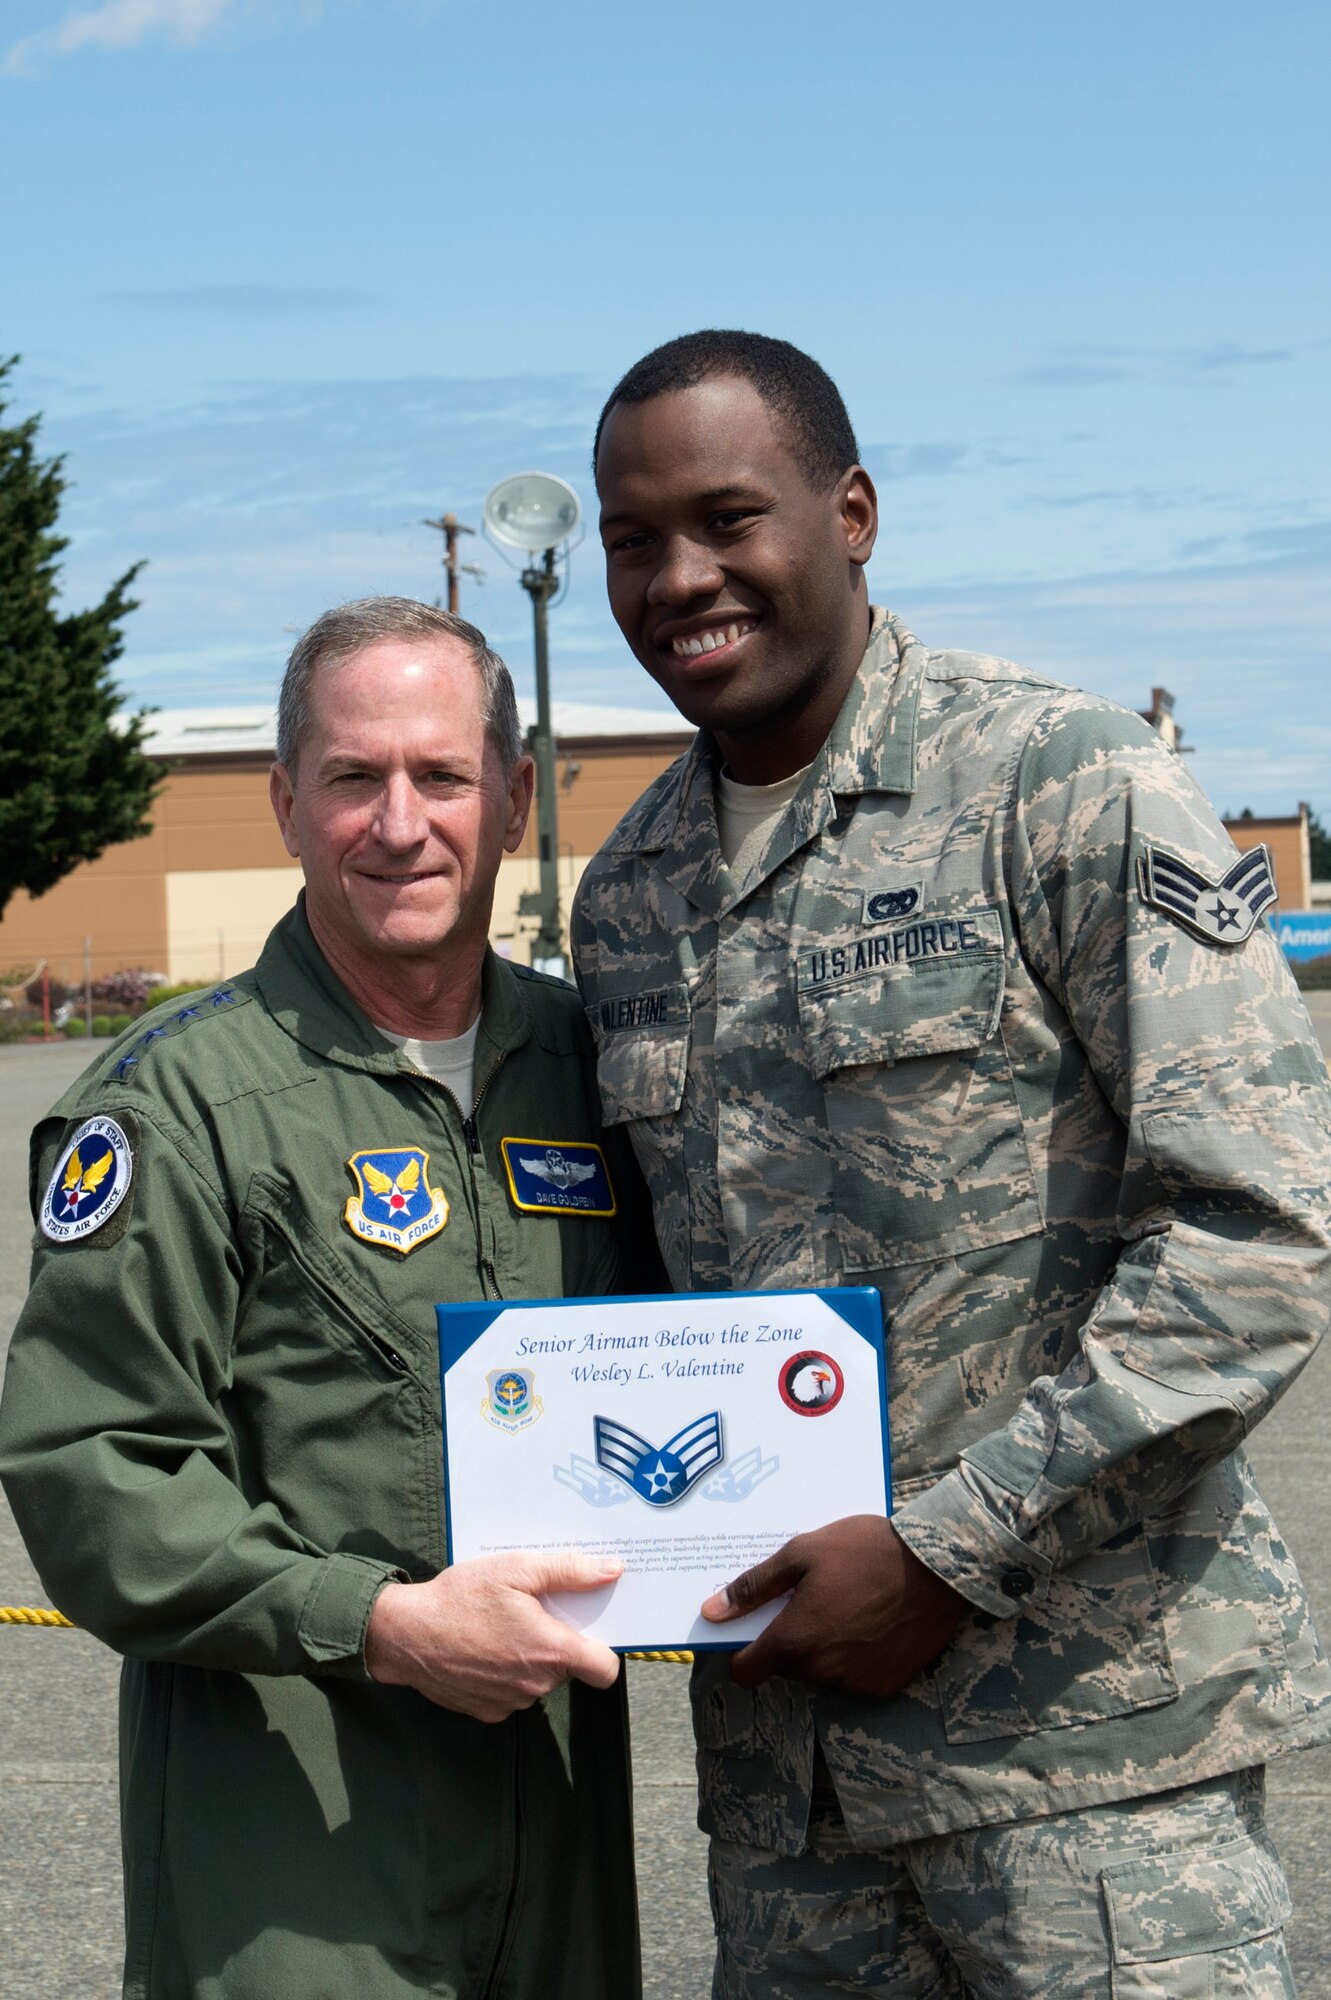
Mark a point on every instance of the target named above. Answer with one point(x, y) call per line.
point(59, 1859)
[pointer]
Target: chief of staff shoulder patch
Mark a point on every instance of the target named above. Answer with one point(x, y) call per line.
point(558, 1177)
point(1223, 912)
point(91, 1180)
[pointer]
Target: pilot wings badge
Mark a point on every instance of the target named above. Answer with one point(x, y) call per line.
point(1223, 912)
point(395, 1206)
point(662, 1474)
point(557, 1177)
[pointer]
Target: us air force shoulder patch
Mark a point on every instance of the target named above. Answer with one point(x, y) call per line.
point(396, 1205)
point(558, 1177)
point(1223, 912)
point(91, 1180)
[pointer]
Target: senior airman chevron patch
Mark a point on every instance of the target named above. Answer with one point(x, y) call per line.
point(1223, 912)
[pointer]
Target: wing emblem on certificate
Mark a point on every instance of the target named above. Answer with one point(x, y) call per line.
point(511, 1402)
point(660, 1474)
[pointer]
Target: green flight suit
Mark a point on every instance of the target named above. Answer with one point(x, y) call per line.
point(221, 1434)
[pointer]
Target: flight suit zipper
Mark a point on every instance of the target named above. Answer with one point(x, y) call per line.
point(508, 1925)
point(485, 1265)
point(471, 1134)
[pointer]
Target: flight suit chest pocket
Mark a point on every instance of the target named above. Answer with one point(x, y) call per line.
point(642, 1059)
point(924, 1126)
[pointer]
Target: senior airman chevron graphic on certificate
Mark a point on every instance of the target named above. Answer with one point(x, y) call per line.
point(674, 1434)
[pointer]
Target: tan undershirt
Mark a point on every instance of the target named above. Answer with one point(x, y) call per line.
point(746, 816)
point(450, 1062)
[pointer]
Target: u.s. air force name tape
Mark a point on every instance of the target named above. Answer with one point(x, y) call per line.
point(91, 1180)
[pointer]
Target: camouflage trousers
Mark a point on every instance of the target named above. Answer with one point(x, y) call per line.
point(1177, 1896)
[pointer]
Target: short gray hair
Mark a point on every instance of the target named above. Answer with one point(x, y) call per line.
point(350, 628)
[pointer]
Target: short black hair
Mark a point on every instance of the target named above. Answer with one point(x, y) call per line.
point(790, 382)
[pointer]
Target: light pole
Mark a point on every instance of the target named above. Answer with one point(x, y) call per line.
point(537, 513)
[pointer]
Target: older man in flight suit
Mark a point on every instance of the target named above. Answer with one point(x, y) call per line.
point(348, 1772)
point(957, 989)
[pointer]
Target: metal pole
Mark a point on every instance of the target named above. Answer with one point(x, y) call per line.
point(451, 559)
point(541, 584)
point(87, 985)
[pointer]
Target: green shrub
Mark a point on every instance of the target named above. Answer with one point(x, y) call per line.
point(183, 990)
point(101, 1024)
point(1312, 974)
point(13, 1027)
point(74, 1027)
point(119, 1023)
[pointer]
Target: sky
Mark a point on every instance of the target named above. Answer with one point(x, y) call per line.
point(289, 277)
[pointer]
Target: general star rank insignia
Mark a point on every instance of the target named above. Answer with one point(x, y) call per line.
point(396, 1205)
point(557, 1177)
point(1223, 912)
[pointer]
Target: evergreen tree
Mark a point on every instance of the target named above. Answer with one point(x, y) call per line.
point(74, 778)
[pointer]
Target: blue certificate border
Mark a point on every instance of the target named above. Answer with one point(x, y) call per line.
point(461, 1326)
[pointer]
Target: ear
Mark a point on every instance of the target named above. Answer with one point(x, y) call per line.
point(521, 786)
point(857, 510)
point(282, 797)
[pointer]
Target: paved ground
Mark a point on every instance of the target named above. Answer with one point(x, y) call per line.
point(59, 1864)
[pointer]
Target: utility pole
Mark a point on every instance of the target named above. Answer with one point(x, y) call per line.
point(537, 513)
point(450, 527)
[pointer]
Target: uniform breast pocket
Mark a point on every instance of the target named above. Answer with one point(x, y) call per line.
point(641, 1070)
point(928, 1149)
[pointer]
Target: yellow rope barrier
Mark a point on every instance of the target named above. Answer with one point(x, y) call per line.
point(26, 1614)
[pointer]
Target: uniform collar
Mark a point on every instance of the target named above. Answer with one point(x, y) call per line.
point(871, 748)
point(305, 996)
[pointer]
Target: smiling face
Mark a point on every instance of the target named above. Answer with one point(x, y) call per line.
point(738, 584)
point(400, 810)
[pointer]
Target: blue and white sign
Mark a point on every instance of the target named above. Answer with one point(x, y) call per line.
point(1304, 933)
point(669, 1438)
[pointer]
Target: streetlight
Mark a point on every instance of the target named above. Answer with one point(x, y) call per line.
point(537, 513)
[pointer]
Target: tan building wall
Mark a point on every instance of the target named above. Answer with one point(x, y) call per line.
point(118, 902)
point(197, 896)
point(1291, 853)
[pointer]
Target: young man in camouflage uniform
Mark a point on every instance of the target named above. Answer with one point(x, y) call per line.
point(348, 1772)
point(926, 972)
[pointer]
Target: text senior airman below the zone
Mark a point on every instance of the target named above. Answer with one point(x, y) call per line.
point(733, 1335)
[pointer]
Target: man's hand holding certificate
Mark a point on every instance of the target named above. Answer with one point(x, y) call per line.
point(690, 1437)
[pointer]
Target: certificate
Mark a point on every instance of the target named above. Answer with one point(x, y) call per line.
point(689, 1436)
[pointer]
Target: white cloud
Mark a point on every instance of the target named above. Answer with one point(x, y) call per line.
point(120, 24)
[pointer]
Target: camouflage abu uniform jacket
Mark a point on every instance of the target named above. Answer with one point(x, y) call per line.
point(941, 1043)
